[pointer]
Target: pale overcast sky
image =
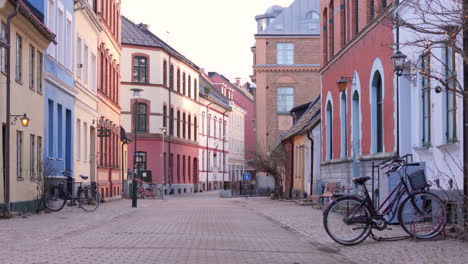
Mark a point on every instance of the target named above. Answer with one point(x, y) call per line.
point(214, 34)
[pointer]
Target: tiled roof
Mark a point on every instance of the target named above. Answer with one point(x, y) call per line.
point(138, 35)
point(307, 120)
point(38, 24)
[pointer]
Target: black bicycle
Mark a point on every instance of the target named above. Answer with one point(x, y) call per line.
point(349, 219)
point(88, 198)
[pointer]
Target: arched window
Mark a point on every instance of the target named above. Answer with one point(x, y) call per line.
point(171, 122)
point(214, 126)
point(189, 127)
point(178, 80)
point(195, 126)
point(183, 83)
point(356, 125)
point(165, 73)
point(203, 123)
point(189, 86)
point(171, 77)
point(312, 17)
point(165, 116)
point(183, 125)
point(343, 125)
point(208, 125)
point(329, 131)
point(141, 117)
point(178, 123)
point(140, 69)
point(377, 113)
point(220, 135)
point(331, 29)
point(325, 34)
point(195, 89)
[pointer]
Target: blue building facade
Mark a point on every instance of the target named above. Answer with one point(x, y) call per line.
point(59, 97)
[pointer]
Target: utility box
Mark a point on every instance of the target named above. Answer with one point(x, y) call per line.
point(146, 176)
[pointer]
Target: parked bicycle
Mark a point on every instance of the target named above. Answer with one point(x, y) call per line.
point(87, 197)
point(349, 219)
point(148, 190)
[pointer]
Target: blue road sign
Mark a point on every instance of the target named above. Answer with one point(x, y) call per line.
point(247, 176)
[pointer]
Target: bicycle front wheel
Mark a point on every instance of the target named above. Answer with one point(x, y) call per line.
point(89, 200)
point(347, 221)
point(54, 199)
point(422, 215)
point(157, 192)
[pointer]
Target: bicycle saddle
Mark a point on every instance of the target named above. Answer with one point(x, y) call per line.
point(84, 177)
point(361, 180)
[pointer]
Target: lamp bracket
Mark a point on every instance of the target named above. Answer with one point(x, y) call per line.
point(16, 118)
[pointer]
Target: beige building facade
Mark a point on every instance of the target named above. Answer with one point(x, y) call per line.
point(87, 31)
point(29, 38)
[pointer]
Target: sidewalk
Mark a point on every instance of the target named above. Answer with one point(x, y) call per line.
point(307, 222)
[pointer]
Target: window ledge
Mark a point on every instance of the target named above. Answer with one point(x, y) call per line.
point(19, 179)
point(19, 81)
point(448, 144)
point(50, 158)
point(59, 159)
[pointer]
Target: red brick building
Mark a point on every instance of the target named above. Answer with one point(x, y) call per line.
point(358, 124)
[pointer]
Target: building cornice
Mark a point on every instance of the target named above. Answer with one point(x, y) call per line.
point(286, 68)
point(54, 80)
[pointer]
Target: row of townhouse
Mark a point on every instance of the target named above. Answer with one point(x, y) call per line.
point(184, 121)
point(66, 53)
point(369, 110)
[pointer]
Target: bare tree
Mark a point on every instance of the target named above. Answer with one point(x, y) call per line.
point(46, 170)
point(434, 25)
point(273, 164)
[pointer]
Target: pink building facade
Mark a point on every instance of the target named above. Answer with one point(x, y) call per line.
point(169, 100)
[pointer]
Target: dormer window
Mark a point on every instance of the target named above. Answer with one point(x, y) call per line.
point(312, 17)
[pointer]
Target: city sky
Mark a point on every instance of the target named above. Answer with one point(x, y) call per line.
point(214, 34)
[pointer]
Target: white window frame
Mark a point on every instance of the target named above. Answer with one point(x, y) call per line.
point(85, 62)
point(32, 157)
point(283, 96)
point(78, 139)
point(79, 43)
point(285, 53)
point(19, 58)
point(69, 41)
point(40, 71)
point(51, 24)
point(93, 72)
point(32, 68)
point(19, 154)
point(61, 44)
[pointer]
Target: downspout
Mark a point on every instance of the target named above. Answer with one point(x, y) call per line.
point(224, 154)
point(207, 156)
point(171, 119)
point(6, 165)
point(292, 168)
point(311, 161)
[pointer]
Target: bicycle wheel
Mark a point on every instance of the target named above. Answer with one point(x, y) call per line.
point(89, 199)
point(156, 192)
point(54, 199)
point(422, 215)
point(347, 221)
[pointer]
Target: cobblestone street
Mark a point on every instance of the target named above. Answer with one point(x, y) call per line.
point(200, 228)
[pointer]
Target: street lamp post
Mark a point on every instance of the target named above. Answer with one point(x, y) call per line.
point(163, 132)
point(136, 95)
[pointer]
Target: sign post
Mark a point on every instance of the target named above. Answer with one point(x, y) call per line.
point(247, 178)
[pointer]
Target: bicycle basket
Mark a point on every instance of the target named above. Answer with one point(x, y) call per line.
point(417, 180)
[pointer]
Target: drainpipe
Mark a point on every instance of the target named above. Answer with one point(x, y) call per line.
point(292, 168)
point(311, 161)
point(6, 165)
point(224, 154)
point(171, 119)
point(207, 156)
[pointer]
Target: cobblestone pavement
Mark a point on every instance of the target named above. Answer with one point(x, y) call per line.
point(307, 221)
point(199, 228)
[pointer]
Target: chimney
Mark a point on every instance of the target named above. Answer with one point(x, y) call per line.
point(202, 71)
point(145, 26)
point(238, 82)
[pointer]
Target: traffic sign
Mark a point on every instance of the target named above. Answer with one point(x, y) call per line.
point(247, 176)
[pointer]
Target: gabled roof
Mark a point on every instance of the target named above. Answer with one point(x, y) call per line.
point(213, 75)
point(292, 21)
point(209, 92)
point(308, 120)
point(138, 35)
